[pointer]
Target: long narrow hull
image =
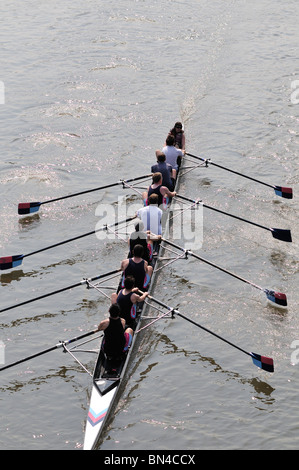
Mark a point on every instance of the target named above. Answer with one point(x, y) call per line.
point(106, 386)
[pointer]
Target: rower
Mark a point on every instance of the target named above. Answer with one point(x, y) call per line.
point(166, 170)
point(145, 239)
point(173, 154)
point(138, 268)
point(117, 339)
point(151, 215)
point(127, 300)
point(157, 188)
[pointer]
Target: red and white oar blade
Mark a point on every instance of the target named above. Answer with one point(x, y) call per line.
point(28, 207)
point(276, 297)
point(283, 192)
point(263, 362)
point(8, 262)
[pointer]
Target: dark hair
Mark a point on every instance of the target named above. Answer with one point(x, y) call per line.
point(156, 177)
point(138, 251)
point(129, 282)
point(153, 199)
point(170, 140)
point(161, 157)
point(114, 310)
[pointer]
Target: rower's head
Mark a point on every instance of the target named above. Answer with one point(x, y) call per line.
point(178, 126)
point(138, 251)
point(160, 156)
point(170, 140)
point(129, 282)
point(153, 200)
point(157, 177)
point(114, 311)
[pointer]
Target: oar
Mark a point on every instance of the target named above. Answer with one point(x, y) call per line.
point(57, 346)
point(263, 362)
point(84, 281)
point(8, 262)
point(275, 297)
point(30, 207)
point(280, 234)
point(279, 190)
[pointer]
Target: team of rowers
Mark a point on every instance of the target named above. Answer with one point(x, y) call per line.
point(137, 269)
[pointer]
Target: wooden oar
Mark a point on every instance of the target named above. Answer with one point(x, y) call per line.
point(279, 234)
point(279, 190)
point(84, 281)
point(275, 297)
point(30, 207)
point(57, 346)
point(8, 262)
point(263, 362)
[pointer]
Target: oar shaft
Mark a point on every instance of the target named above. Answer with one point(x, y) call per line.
point(212, 264)
point(176, 312)
point(58, 291)
point(212, 333)
point(231, 171)
point(111, 185)
point(79, 236)
point(225, 213)
point(45, 351)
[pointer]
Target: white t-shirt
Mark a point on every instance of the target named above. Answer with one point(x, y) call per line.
point(171, 154)
point(151, 217)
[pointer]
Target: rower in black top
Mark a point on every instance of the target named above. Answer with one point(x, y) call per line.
point(138, 268)
point(157, 188)
point(127, 300)
point(117, 340)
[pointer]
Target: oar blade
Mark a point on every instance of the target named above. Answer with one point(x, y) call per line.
point(8, 262)
point(263, 362)
point(284, 192)
point(281, 234)
point(28, 207)
point(277, 297)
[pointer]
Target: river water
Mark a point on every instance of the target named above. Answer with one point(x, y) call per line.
point(89, 91)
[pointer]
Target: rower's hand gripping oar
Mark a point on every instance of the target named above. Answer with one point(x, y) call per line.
point(31, 207)
point(276, 297)
point(61, 344)
point(263, 362)
point(279, 234)
point(279, 190)
point(8, 262)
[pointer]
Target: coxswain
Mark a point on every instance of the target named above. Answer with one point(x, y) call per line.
point(127, 300)
point(179, 136)
point(117, 338)
point(138, 268)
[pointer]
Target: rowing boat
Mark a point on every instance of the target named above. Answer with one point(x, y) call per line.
point(108, 377)
point(109, 374)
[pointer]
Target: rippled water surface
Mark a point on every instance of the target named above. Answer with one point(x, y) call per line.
point(91, 91)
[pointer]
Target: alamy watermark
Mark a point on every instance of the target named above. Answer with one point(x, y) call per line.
point(2, 352)
point(295, 354)
point(2, 92)
point(295, 92)
point(181, 223)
